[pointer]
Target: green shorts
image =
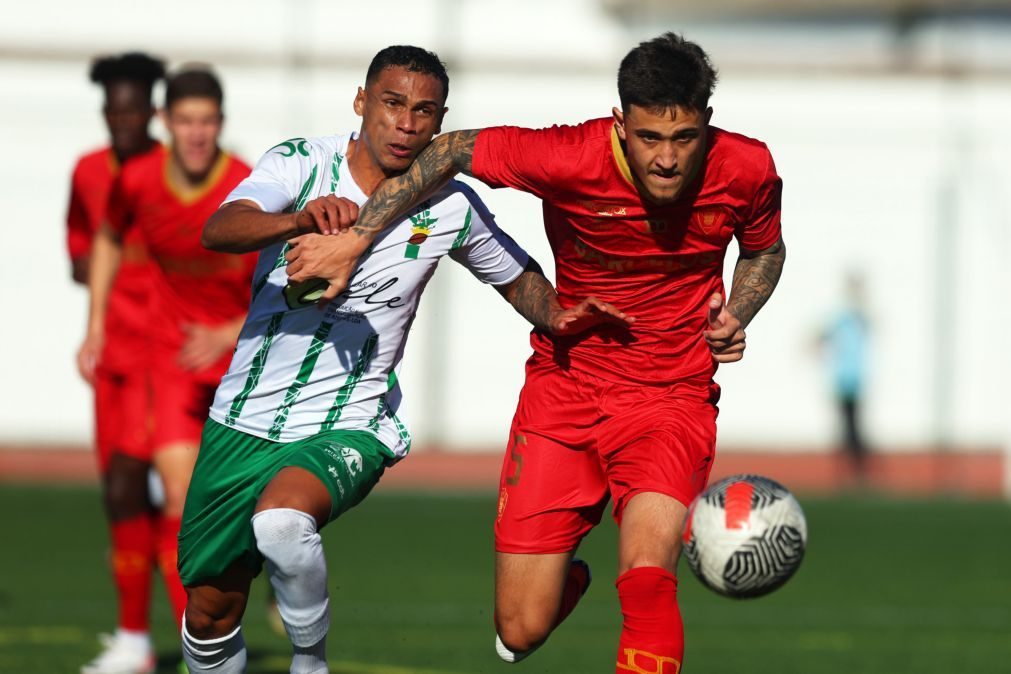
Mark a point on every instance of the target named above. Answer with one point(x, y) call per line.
point(231, 472)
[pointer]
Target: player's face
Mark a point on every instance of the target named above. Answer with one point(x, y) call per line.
point(194, 124)
point(127, 113)
point(401, 111)
point(665, 149)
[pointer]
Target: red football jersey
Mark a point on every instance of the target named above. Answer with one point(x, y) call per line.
point(192, 284)
point(126, 321)
point(659, 264)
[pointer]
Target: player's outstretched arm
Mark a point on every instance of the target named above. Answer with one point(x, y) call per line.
point(105, 256)
point(334, 261)
point(534, 298)
point(755, 277)
point(242, 226)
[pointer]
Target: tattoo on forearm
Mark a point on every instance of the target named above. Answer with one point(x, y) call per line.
point(534, 299)
point(446, 156)
point(755, 277)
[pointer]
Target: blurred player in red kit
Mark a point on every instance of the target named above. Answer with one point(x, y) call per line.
point(198, 298)
point(639, 209)
point(121, 383)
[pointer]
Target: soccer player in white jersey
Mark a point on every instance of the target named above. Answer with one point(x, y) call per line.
point(310, 412)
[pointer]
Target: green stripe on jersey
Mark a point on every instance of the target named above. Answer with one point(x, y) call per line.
point(335, 168)
point(303, 195)
point(255, 370)
point(304, 372)
point(345, 391)
point(299, 204)
point(279, 262)
point(464, 234)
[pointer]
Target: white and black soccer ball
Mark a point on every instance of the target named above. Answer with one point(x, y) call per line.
point(745, 536)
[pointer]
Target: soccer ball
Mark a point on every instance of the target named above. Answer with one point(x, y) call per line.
point(745, 536)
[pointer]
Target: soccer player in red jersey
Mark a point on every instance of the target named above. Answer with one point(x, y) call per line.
point(639, 208)
point(122, 403)
point(199, 297)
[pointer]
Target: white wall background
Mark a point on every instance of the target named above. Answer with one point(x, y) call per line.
point(875, 167)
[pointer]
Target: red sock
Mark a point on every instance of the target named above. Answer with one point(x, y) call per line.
point(168, 557)
point(132, 566)
point(652, 636)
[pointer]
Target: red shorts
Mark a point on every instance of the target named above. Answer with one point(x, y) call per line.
point(123, 415)
point(576, 439)
point(182, 400)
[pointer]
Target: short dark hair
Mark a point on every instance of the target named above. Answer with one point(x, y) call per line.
point(415, 59)
point(194, 81)
point(665, 72)
point(129, 67)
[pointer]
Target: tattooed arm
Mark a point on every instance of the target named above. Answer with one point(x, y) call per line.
point(755, 277)
point(535, 299)
point(334, 258)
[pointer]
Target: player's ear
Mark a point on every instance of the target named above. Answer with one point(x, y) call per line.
point(442, 116)
point(360, 102)
point(619, 122)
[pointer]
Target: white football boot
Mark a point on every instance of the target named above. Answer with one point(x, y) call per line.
point(122, 654)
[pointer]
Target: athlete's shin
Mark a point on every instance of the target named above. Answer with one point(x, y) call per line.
point(652, 635)
point(168, 556)
point(132, 567)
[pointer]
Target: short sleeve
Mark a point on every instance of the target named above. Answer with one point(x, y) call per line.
point(762, 228)
point(490, 254)
point(79, 228)
point(277, 179)
point(510, 156)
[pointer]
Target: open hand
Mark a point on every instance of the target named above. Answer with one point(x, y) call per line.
point(725, 335)
point(586, 314)
point(204, 345)
point(88, 356)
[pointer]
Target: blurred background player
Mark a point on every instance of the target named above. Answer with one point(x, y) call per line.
point(118, 367)
point(199, 297)
point(846, 345)
point(639, 208)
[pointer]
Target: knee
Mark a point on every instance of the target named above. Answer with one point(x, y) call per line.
point(125, 489)
point(287, 538)
point(211, 618)
point(522, 629)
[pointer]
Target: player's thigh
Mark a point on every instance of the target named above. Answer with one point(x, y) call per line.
point(552, 490)
point(528, 590)
point(180, 403)
point(298, 489)
point(231, 472)
point(650, 532)
point(122, 415)
point(663, 444)
point(327, 474)
point(174, 464)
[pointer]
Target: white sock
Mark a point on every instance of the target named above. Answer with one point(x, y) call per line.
point(288, 540)
point(224, 655)
point(509, 655)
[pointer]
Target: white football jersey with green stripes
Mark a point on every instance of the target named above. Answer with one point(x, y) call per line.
point(297, 370)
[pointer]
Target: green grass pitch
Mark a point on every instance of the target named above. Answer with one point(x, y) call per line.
point(886, 587)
